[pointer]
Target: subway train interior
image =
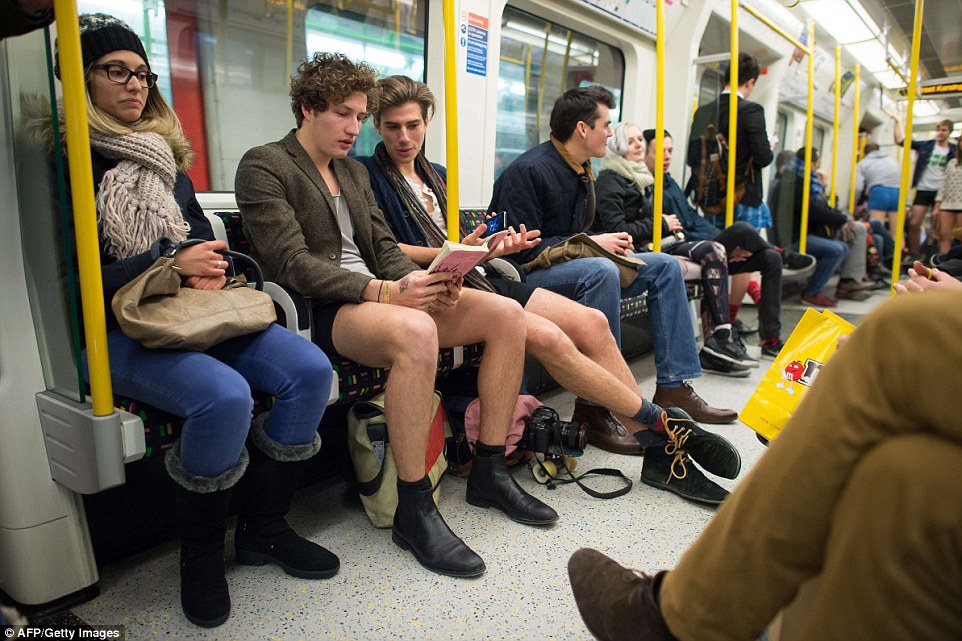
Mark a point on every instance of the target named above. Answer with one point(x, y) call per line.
point(87, 532)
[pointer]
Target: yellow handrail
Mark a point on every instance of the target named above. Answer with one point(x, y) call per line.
point(807, 182)
point(732, 119)
point(856, 120)
point(451, 118)
point(290, 39)
point(907, 141)
point(838, 99)
point(659, 125)
point(85, 218)
point(774, 27)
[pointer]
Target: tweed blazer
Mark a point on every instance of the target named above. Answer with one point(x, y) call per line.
point(290, 220)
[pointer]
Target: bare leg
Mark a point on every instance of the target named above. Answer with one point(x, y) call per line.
point(915, 227)
point(499, 323)
point(739, 288)
point(577, 348)
point(946, 222)
point(406, 340)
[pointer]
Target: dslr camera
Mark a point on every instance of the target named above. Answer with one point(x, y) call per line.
point(546, 433)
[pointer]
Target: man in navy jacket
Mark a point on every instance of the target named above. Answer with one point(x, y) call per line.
point(551, 188)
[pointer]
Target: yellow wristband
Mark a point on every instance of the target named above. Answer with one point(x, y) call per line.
point(387, 292)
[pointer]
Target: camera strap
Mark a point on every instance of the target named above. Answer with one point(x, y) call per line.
point(551, 483)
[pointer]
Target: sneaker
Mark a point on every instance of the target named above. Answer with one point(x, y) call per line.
point(741, 329)
point(795, 261)
point(772, 349)
point(819, 300)
point(676, 473)
point(713, 365)
point(723, 345)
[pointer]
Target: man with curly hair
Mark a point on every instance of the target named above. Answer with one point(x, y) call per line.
point(314, 225)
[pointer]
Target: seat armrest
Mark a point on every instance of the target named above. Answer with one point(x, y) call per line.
point(507, 269)
point(297, 310)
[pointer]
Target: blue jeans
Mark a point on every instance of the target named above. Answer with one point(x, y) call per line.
point(594, 282)
point(829, 254)
point(883, 241)
point(212, 390)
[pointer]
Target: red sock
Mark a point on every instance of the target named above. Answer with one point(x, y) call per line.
point(755, 291)
point(733, 311)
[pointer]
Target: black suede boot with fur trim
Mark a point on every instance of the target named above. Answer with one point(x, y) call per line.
point(202, 507)
point(262, 534)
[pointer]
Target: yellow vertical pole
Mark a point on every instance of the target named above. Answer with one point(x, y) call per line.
point(290, 37)
point(732, 118)
point(907, 142)
point(807, 182)
point(659, 124)
point(85, 218)
point(838, 100)
point(451, 117)
point(856, 118)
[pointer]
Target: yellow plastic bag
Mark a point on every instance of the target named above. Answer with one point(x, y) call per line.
point(786, 382)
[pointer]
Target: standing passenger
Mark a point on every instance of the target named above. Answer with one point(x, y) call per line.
point(933, 156)
point(753, 150)
point(145, 208)
point(880, 175)
point(948, 202)
point(314, 225)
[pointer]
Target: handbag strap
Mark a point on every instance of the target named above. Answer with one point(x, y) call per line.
point(598, 471)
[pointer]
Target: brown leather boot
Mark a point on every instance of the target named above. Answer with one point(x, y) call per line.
point(685, 398)
point(617, 604)
point(605, 431)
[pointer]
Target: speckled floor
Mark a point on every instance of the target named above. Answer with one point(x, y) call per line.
point(381, 593)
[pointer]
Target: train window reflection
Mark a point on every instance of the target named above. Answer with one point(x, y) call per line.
point(541, 60)
point(148, 19)
point(388, 35)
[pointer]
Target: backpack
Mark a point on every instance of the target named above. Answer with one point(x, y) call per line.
point(710, 177)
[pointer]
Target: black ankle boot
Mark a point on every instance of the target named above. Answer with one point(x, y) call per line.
point(677, 431)
point(490, 484)
point(201, 525)
point(262, 534)
point(419, 527)
point(676, 473)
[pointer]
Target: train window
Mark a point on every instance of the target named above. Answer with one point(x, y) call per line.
point(149, 21)
point(818, 138)
point(388, 35)
point(541, 60)
point(710, 87)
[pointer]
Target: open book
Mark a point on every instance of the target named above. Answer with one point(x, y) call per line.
point(459, 259)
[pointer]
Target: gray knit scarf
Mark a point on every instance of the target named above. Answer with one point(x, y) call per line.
point(135, 202)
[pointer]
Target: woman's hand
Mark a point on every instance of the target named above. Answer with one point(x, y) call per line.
point(616, 242)
point(202, 260)
point(420, 290)
point(514, 241)
point(205, 282)
point(923, 279)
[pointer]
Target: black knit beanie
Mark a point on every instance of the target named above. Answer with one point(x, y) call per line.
point(101, 33)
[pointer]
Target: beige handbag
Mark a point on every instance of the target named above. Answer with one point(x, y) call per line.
point(154, 309)
point(583, 246)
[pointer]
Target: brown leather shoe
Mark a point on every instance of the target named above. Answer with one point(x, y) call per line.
point(616, 603)
point(685, 397)
point(605, 431)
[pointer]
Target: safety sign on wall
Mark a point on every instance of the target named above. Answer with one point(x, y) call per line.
point(474, 37)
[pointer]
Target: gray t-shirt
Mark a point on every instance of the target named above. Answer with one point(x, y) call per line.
point(934, 174)
point(350, 255)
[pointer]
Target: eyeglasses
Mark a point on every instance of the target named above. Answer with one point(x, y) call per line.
point(122, 75)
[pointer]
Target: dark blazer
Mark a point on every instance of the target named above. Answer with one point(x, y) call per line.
point(290, 221)
point(752, 143)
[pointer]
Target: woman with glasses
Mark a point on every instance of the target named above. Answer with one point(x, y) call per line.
point(146, 208)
